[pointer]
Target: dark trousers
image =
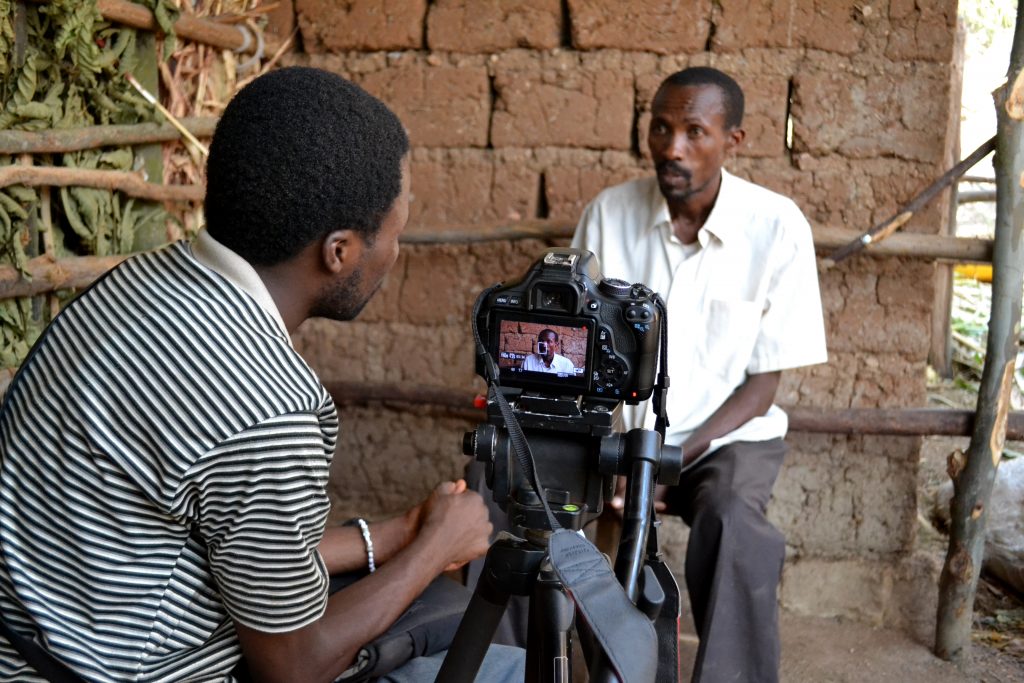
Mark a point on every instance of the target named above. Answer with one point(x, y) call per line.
point(733, 561)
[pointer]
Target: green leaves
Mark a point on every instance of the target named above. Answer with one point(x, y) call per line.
point(70, 74)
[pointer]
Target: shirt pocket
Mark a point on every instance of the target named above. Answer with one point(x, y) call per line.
point(730, 331)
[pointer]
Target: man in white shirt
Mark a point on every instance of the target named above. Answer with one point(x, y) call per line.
point(545, 359)
point(735, 264)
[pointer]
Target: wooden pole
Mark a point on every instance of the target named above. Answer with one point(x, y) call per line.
point(130, 183)
point(887, 227)
point(887, 421)
point(928, 246)
point(47, 275)
point(878, 421)
point(191, 28)
point(974, 475)
point(89, 268)
point(90, 137)
point(976, 196)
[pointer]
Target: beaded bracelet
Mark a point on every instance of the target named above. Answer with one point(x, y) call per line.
point(364, 529)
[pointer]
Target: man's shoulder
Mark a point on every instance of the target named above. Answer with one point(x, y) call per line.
point(632, 191)
point(757, 197)
point(764, 215)
point(625, 208)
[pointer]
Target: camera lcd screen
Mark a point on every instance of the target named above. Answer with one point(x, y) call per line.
point(542, 352)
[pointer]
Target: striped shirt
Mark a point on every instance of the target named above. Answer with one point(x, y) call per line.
point(164, 454)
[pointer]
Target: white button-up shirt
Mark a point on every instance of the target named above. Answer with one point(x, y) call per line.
point(745, 302)
point(559, 363)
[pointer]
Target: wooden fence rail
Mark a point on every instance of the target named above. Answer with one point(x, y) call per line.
point(55, 141)
point(877, 421)
point(45, 275)
point(200, 30)
point(132, 184)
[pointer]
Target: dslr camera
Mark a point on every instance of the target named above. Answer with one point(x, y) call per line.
point(608, 328)
point(566, 348)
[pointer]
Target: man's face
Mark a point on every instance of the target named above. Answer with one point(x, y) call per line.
point(688, 139)
point(551, 341)
point(345, 299)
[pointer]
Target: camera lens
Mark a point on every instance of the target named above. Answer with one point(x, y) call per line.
point(469, 443)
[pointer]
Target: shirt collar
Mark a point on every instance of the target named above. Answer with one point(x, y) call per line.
point(718, 224)
point(237, 271)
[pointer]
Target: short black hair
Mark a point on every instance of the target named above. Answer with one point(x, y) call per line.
point(300, 152)
point(547, 331)
point(732, 94)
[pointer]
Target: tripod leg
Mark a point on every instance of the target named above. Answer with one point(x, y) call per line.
point(474, 634)
point(509, 569)
point(549, 648)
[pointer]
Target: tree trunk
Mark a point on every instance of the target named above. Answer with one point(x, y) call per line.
point(974, 476)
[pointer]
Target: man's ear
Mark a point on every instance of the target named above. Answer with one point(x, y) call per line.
point(734, 138)
point(341, 250)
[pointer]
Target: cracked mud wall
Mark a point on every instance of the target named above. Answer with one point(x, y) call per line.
point(522, 110)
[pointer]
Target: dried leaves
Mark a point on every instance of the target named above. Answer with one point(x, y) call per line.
point(63, 66)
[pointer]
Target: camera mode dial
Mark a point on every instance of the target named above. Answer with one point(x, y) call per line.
point(614, 287)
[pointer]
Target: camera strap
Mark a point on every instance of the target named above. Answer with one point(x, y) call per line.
point(660, 396)
point(36, 656)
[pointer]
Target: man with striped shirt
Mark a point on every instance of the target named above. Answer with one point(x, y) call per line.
point(164, 451)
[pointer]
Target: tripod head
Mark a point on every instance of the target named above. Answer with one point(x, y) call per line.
point(575, 451)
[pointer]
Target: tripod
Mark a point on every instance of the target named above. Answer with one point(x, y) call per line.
point(523, 567)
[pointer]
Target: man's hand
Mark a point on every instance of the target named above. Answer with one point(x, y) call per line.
point(450, 528)
point(618, 501)
point(456, 518)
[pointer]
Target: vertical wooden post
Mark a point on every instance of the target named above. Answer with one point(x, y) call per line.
point(148, 74)
point(974, 475)
point(940, 352)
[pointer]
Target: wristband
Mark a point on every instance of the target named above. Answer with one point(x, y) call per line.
point(364, 530)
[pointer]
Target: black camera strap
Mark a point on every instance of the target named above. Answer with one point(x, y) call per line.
point(37, 657)
point(660, 395)
point(666, 622)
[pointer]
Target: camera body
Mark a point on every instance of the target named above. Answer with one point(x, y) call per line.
point(607, 329)
point(566, 348)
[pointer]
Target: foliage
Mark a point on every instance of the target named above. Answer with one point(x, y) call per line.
point(63, 66)
point(969, 320)
point(985, 18)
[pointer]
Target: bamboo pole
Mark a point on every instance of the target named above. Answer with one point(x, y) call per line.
point(974, 475)
point(130, 183)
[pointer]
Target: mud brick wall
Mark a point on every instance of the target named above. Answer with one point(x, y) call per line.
point(526, 109)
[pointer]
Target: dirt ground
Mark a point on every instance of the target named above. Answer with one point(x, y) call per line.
point(816, 650)
point(826, 650)
point(819, 650)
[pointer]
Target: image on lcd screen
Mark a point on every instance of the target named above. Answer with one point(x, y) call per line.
point(532, 350)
